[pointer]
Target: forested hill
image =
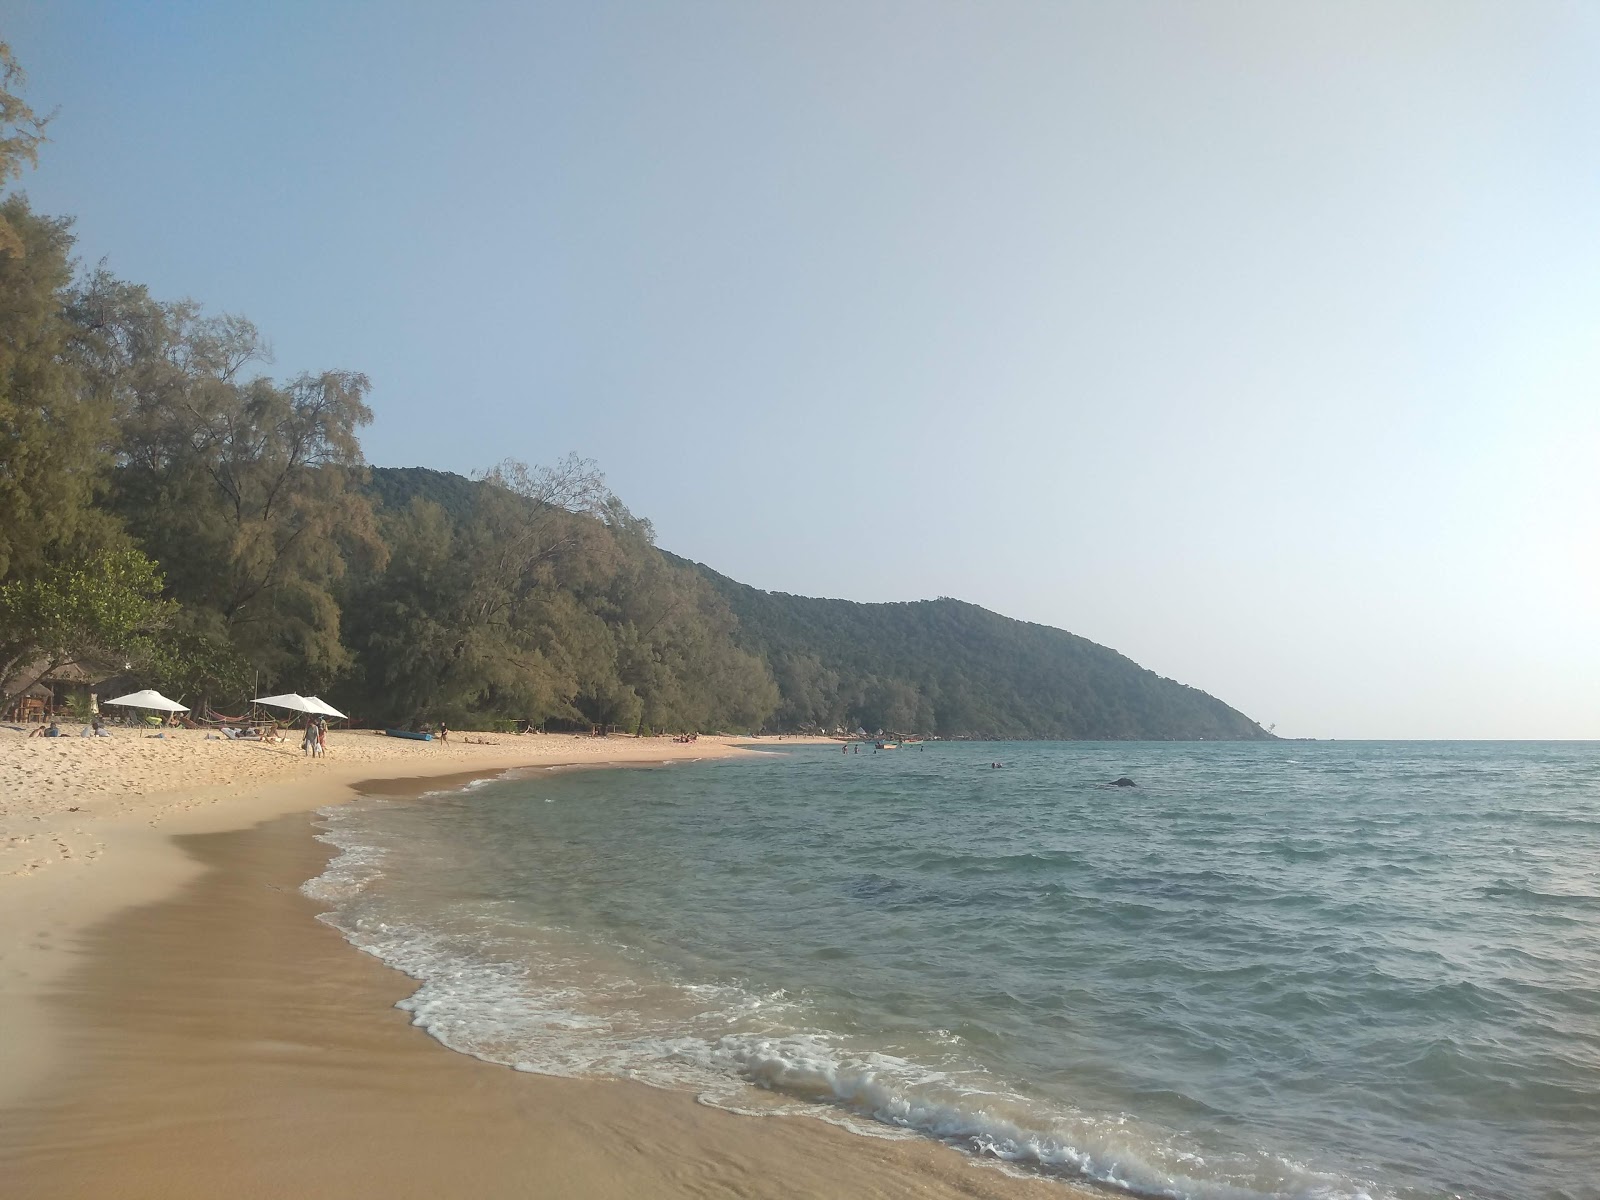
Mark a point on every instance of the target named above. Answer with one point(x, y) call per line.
point(927, 666)
point(958, 669)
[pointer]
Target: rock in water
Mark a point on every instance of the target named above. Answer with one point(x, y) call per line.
point(1123, 782)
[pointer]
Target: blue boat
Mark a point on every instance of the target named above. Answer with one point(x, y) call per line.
point(406, 733)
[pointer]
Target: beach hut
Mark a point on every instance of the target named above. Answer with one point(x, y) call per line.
point(53, 687)
point(33, 704)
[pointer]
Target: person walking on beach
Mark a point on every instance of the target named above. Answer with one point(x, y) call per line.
point(322, 736)
point(308, 744)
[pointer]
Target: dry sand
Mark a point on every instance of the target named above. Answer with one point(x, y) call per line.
point(56, 793)
point(176, 1024)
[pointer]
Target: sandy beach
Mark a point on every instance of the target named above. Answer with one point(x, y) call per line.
point(178, 1023)
point(64, 801)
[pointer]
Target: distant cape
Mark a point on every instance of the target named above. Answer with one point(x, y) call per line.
point(968, 672)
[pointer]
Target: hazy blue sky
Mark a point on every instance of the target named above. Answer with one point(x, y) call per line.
point(1260, 342)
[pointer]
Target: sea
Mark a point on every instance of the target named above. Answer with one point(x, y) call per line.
point(1277, 969)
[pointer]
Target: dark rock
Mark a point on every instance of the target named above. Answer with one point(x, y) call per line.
point(1123, 782)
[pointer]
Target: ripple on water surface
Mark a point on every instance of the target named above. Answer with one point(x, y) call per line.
point(1313, 970)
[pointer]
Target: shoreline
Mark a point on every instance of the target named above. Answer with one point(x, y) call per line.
point(90, 830)
point(199, 1014)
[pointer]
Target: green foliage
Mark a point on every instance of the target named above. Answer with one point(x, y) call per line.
point(540, 596)
point(103, 609)
point(21, 131)
point(193, 657)
point(53, 433)
point(246, 490)
point(393, 489)
point(945, 667)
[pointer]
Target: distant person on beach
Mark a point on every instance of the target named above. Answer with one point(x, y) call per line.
point(322, 735)
point(444, 732)
point(308, 743)
point(53, 730)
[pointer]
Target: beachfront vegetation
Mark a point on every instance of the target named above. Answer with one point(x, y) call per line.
point(106, 606)
point(169, 511)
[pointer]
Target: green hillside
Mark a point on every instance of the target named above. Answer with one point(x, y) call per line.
point(959, 670)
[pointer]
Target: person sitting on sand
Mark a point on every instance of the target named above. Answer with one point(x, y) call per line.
point(54, 730)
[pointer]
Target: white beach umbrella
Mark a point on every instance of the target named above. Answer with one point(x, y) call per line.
point(149, 698)
point(288, 700)
point(323, 707)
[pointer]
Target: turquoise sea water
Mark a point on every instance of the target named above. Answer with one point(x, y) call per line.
point(1290, 969)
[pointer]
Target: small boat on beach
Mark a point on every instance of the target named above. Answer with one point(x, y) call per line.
point(406, 733)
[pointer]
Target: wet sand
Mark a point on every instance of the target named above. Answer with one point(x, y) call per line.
point(220, 1041)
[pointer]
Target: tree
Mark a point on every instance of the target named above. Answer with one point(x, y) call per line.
point(417, 649)
point(479, 613)
point(537, 594)
point(245, 490)
point(190, 658)
point(21, 131)
point(103, 609)
point(54, 436)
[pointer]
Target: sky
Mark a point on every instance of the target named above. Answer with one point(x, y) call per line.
point(1258, 341)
